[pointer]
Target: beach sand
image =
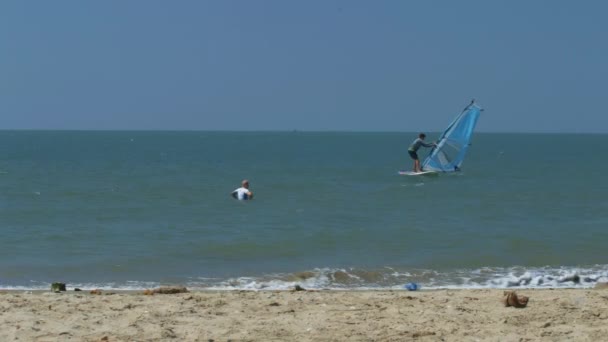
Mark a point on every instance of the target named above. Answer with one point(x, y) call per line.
point(439, 315)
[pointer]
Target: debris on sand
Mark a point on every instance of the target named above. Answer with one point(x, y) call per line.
point(166, 290)
point(510, 298)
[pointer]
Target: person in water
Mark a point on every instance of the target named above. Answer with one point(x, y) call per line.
point(243, 193)
point(413, 150)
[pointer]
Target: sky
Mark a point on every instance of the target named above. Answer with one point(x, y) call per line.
point(318, 65)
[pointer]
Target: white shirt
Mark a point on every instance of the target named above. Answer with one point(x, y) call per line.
point(241, 194)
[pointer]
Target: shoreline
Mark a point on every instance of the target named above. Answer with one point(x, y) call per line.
point(86, 290)
point(108, 291)
point(513, 277)
point(283, 315)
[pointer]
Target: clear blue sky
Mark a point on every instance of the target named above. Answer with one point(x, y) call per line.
point(536, 66)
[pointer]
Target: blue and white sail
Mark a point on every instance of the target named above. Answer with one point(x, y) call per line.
point(453, 144)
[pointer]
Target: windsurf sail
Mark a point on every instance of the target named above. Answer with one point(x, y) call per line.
point(453, 144)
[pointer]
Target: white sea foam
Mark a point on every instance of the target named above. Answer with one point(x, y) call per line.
point(487, 278)
point(387, 278)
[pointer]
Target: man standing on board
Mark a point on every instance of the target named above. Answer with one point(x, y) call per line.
point(413, 149)
point(243, 193)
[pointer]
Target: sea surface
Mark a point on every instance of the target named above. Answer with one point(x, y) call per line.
point(132, 210)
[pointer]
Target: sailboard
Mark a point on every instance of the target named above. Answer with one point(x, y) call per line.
point(453, 144)
point(422, 173)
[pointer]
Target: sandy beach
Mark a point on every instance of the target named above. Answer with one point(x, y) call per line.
point(449, 315)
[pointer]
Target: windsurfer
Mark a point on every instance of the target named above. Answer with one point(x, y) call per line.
point(413, 149)
point(243, 193)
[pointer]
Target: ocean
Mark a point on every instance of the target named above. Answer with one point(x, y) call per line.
point(138, 209)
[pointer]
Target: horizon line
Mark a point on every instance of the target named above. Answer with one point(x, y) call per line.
point(273, 131)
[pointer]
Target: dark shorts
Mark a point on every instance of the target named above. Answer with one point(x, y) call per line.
point(413, 154)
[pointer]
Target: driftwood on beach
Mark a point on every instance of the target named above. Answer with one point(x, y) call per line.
point(167, 290)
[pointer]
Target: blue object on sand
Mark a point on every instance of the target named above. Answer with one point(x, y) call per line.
point(411, 286)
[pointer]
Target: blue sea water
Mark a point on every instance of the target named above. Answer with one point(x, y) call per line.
point(137, 209)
